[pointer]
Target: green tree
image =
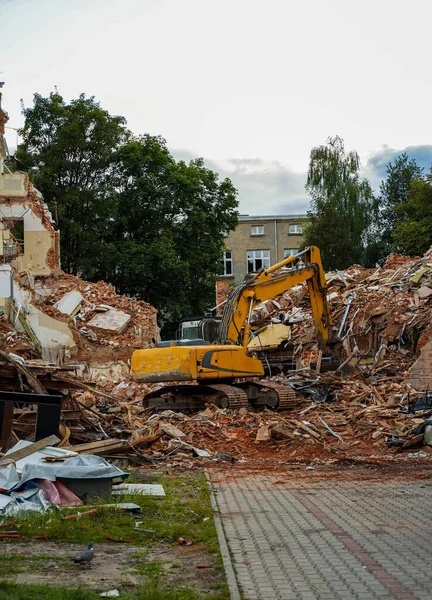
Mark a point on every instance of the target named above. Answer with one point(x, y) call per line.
point(171, 223)
point(70, 151)
point(127, 211)
point(343, 207)
point(412, 233)
point(394, 193)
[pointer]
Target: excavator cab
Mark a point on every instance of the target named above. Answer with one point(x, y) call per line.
point(205, 329)
point(194, 331)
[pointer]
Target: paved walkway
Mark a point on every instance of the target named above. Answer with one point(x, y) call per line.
point(328, 540)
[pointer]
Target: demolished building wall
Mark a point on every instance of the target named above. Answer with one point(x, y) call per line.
point(42, 302)
point(38, 252)
point(20, 201)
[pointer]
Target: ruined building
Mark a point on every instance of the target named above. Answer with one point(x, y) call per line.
point(23, 210)
point(61, 315)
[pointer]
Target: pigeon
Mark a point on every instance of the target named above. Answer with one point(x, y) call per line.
point(85, 557)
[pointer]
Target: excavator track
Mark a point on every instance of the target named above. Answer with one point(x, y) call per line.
point(236, 396)
point(266, 394)
point(253, 394)
point(288, 398)
point(195, 397)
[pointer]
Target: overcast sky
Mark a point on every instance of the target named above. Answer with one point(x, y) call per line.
point(249, 85)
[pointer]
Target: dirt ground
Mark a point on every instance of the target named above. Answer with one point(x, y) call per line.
point(413, 465)
point(114, 565)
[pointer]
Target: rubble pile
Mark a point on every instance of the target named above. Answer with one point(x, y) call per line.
point(371, 399)
point(381, 317)
point(223, 290)
point(97, 315)
point(15, 341)
point(340, 415)
point(344, 418)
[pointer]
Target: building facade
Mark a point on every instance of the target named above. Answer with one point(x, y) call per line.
point(259, 242)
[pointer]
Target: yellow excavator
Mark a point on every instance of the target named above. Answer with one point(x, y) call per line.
point(219, 370)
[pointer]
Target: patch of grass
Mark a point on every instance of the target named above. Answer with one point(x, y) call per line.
point(184, 512)
point(148, 590)
point(154, 586)
point(15, 591)
point(12, 564)
point(149, 570)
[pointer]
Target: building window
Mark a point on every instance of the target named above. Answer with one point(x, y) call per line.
point(227, 263)
point(295, 229)
point(11, 238)
point(257, 230)
point(290, 252)
point(257, 259)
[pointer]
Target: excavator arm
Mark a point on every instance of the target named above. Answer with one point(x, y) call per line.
point(235, 326)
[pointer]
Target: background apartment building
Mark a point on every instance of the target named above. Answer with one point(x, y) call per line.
point(259, 242)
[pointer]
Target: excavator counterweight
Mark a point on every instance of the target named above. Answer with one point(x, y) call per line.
point(189, 363)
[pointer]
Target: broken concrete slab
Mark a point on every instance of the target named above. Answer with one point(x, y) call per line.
point(147, 489)
point(424, 292)
point(70, 303)
point(171, 430)
point(113, 320)
point(263, 434)
point(270, 337)
point(281, 433)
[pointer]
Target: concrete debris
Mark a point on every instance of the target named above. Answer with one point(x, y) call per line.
point(147, 489)
point(113, 321)
point(222, 291)
point(124, 324)
point(420, 374)
point(424, 292)
point(171, 430)
point(381, 317)
point(69, 304)
point(50, 314)
point(263, 434)
point(270, 336)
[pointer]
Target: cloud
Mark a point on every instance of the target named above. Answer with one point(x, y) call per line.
point(375, 168)
point(270, 187)
point(264, 187)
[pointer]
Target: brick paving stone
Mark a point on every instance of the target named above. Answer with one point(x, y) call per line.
point(315, 540)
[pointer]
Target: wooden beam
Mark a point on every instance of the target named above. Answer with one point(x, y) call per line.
point(92, 445)
point(19, 454)
point(6, 420)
